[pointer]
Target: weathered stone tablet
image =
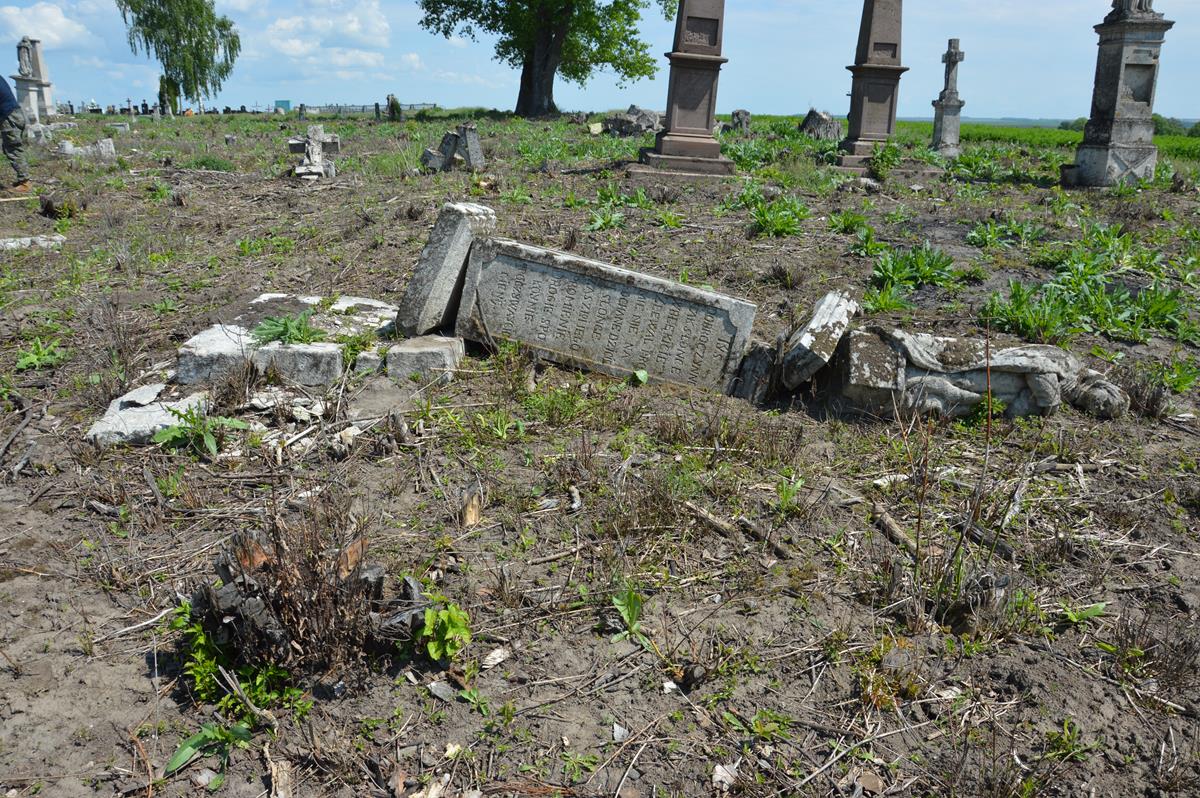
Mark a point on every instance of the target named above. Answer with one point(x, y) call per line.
point(593, 315)
point(431, 299)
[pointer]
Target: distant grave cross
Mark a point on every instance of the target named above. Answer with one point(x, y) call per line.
point(953, 57)
point(315, 146)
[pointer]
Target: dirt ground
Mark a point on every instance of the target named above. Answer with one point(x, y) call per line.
point(792, 647)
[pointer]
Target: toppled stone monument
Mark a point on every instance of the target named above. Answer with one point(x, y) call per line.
point(1118, 142)
point(947, 115)
point(103, 150)
point(876, 84)
point(431, 298)
point(593, 315)
point(39, 133)
point(462, 145)
point(634, 122)
point(315, 146)
point(29, 242)
point(821, 126)
point(882, 371)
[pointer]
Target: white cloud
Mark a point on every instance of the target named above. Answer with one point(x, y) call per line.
point(240, 6)
point(343, 57)
point(45, 21)
point(410, 61)
point(457, 41)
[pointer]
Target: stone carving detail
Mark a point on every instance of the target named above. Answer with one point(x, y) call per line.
point(25, 58)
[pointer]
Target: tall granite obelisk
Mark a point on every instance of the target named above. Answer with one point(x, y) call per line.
point(876, 83)
point(947, 113)
point(687, 144)
point(1118, 142)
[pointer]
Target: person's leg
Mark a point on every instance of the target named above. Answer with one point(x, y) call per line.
point(12, 131)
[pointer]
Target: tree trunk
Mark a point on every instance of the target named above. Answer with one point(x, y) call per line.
point(541, 67)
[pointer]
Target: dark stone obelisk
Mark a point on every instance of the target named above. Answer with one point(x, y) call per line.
point(876, 83)
point(1118, 142)
point(687, 144)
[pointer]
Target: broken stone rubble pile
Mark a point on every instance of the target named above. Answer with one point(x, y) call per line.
point(459, 146)
point(103, 150)
point(634, 122)
point(580, 313)
point(315, 146)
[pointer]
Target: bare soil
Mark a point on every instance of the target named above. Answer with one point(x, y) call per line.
point(791, 643)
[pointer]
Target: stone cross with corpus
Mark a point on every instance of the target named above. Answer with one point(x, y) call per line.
point(953, 57)
point(315, 146)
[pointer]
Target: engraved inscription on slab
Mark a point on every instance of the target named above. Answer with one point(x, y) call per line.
point(700, 31)
point(593, 315)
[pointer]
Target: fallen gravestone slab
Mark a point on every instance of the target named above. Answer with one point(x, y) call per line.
point(593, 315)
point(812, 346)
point(103, 150)
point(431, 298)
point(441, 159)
point(634, 122)
point(44, 242)
point(139, 415)
point(756, 378)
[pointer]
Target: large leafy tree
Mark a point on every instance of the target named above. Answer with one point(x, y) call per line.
point(547, 38)
point(196, 47)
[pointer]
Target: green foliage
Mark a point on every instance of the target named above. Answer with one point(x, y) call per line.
point(40, 355)
point(212, 739)
point(914, 268)
point(1080, 616)
point(446, 631)
point(288, 330)
point(1076, 125)
point(1067, 745)
point(788, 491)
point(887, 299)
point(848, 222)
point(605, 217)
point(1179, 375)
point(779, 218)
point(884, 159)
point(669, 219)
point(545, 38)
point(211, 163)
point(197, 431)
point(865, 244)
point(196, 47)
point(1167, 126)
point(629, 607)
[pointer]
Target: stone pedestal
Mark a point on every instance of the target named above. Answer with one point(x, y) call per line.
point(947, 114)
point(876, 83)
point(687, 144)
point(36, 98)
point(1118, 142)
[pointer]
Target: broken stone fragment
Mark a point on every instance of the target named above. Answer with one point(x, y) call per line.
point(425, 359)
point(432, 296)
point(433, 160)
point(44, 242)
point(470, 147)
point(138, 416)
point(822, 126)
point(757, 374)
point(812, 346)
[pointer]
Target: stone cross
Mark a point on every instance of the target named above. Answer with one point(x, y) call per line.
point(315, 146)
point(952, 59)
point(947, 118)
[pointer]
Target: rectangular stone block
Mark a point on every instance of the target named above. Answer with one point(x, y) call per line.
point(814, 344)
point(311, 365)
point(470, 147)
point(870, 374)
point(431, 298)
point(428, 358)
point(211, 354)
point(586, 314)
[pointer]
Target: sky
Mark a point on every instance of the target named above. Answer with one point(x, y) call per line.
point(1025, 58)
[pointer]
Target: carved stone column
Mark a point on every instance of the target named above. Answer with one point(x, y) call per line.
point(1118, 143)
point(687, 144)
point(876, 83)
